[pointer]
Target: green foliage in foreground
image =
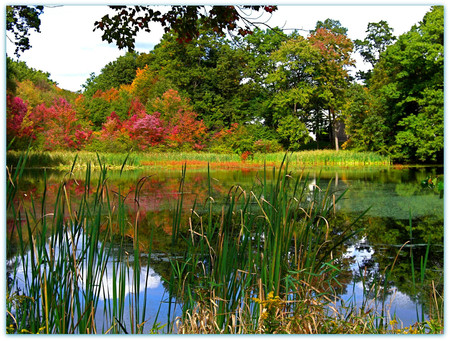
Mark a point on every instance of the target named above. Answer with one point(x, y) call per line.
point(238, 274)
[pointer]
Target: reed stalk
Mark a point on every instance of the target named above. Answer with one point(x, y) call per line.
point(274, 238)
point(260, 260)
point(59, 274)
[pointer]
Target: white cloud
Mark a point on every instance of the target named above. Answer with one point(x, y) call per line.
point(354, 17)
point(66, 46)
point(69, 50)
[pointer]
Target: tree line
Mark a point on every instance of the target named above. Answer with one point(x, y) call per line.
point(261, 92)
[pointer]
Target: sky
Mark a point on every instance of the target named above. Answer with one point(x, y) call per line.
point(70, 51)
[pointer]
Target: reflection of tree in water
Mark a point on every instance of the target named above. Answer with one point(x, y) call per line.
point(386, 236)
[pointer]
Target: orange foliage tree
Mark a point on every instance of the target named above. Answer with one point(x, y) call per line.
point(185, 131)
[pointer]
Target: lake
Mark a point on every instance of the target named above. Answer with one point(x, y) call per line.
point(401, 210)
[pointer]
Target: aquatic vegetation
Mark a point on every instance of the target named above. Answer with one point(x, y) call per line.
point(259, 260)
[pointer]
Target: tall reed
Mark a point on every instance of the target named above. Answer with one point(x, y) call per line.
point(64, 259)
point(274, 239)
point(263, 260)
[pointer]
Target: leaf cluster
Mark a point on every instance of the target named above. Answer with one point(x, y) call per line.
point(185, 21)
point(19, 21)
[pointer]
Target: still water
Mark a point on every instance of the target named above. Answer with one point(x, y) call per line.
point(401, 211)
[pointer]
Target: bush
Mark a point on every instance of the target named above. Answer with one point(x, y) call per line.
point(266, 146)
point(244, 138)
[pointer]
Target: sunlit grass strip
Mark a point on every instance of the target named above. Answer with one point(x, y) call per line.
point(59, 159)
point(328, 158)
point(64, 159)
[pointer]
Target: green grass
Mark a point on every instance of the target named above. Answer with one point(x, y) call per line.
point(328, 158)
point(59, 159)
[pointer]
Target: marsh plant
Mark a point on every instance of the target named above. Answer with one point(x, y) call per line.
point(265, 252)
point(63, 257)
point(260, 260)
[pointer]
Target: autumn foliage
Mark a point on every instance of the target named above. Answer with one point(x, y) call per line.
point(168, 122)
point(18, 125)
point(58, 127)
point(265, 92)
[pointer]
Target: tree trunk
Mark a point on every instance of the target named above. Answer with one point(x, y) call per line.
point(317, 131)
point(335, 126)
point(336, 140)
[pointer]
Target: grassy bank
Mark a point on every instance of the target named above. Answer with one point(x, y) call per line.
point(260, 260)
point(64, 160)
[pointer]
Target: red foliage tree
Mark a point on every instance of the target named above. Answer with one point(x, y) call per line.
point(187, 131)
point(112, 127)
point(18, 124)
point(58, 126)
point(183, 128)
point(136, 108)
point(146, 130)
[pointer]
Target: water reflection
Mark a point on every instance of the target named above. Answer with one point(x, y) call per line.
point(399, 305)
point(394, 197)
point(150, 288)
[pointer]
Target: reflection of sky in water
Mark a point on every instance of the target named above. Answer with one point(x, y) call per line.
point(152, 291)
point(390, 194)
point(401, 306)
point(154, 295)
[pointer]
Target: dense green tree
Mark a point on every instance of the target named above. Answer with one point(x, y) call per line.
point(245, 140)
point(422, 136)
point(258, 48)
point(409, 79)
point(293, 132)
point(113, 75)
point(364, 121)
point(209, 71)
point(294, 81)
point(379, 37)
point(331, 71)
point(311, 77)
